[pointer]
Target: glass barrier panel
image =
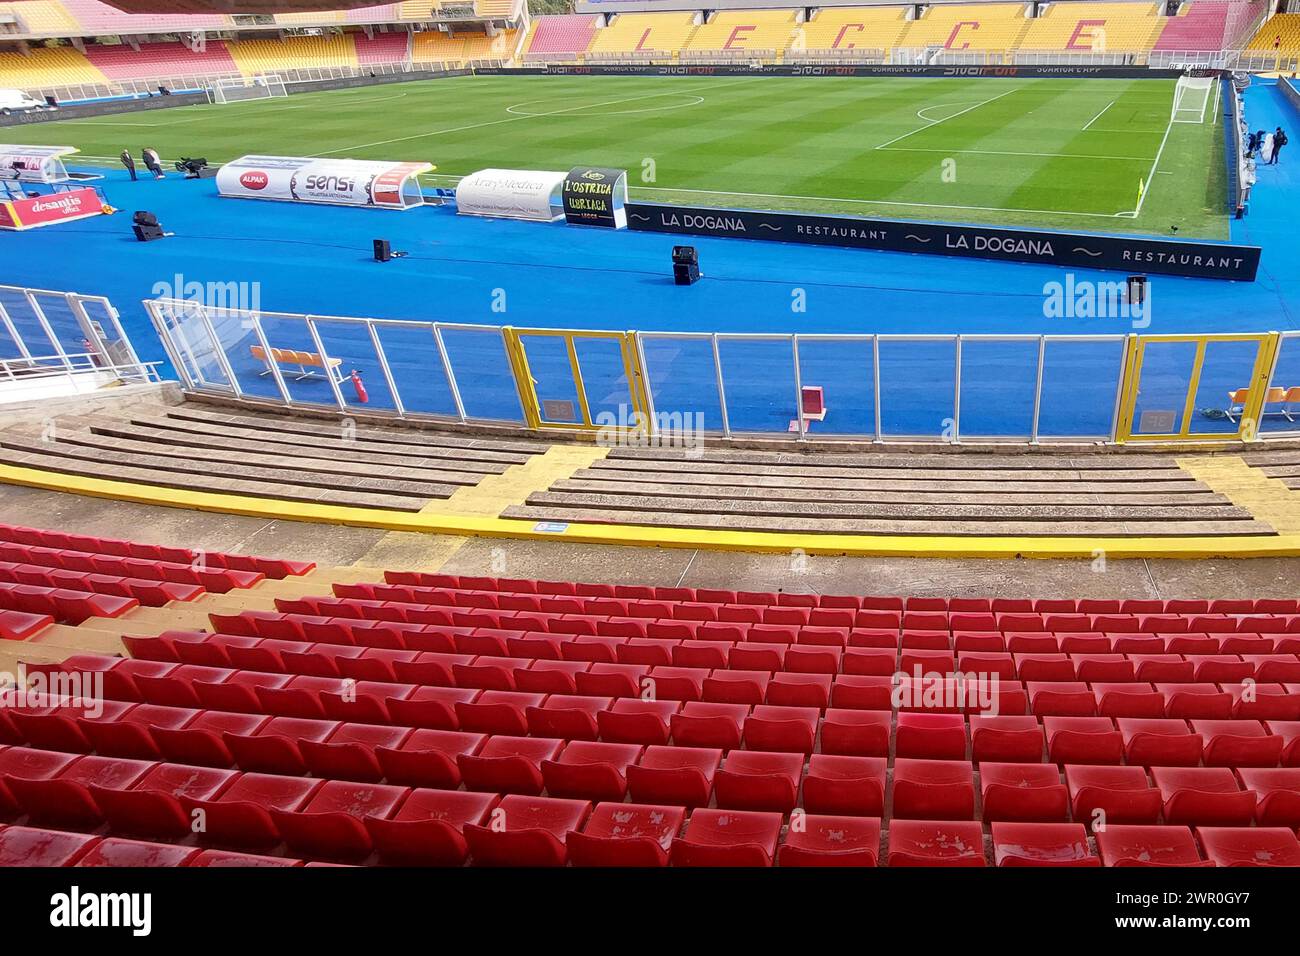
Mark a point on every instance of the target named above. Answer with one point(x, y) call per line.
point(293, 351)
point(917, 387)
point(557, 391)
point(416, 367)
point(758, 379)
point(681, 380)
point(349, 344)
point(997, 388)
point(1080, 388)
point(483, 374)
point(842, 369)
point(1226, 368)
point(604, 378)
point(1165, 376)
point(1284, 416)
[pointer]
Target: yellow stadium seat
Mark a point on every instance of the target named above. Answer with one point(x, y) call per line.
point(294, 53)
point(436, 47)
point(1280, 33)
point(985, 26)
point(42, 16)
point(47, 67)
point(745, 30)
point(851, 28)
point(643, 32)
point(1096, 28)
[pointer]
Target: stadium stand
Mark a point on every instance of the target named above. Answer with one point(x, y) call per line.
point(100, 18)
point(293, 53)
point(1202, 25)
point(1281, 33)
point(562, 34)
point(993, 26)
point(120, 62)
point(639, 32)
point(744, 30)
point(1095, 27)
point(463, 46)
point(386, 719)
point(48, 67)
point(42, 17)
point(833, 28)
point(382, 48)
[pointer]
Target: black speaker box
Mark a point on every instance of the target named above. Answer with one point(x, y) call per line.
point(147, 233)
point(685, 273)
point(383, 250)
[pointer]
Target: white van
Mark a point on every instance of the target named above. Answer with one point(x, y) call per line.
point(11, 100)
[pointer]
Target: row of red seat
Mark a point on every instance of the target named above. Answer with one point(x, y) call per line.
point(542, 607)
point(274, 568)
point(20, 625)
point(449, 690)
point(65, 605)
point(208, 710)
point(33, 846)
point(217, 580)
point(854, 602)
point(400, 626)
point(148, 592)
point(549, 653)
point(340, 820)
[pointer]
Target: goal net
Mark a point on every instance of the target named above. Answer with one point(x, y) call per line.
point(243, 88)
point(1192, 98)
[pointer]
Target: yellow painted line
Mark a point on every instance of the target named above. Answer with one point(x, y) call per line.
point(494, 493)
point(1242, 546)
point(1267, 499)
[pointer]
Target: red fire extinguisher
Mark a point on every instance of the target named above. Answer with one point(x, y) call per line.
point(362, 395)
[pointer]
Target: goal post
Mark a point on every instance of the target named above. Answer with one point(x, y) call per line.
point(241, 88)
point(1192, 98)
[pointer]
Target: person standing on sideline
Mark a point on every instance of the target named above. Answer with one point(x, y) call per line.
point(1279, 140)
point(152, 162)
point(129, 163)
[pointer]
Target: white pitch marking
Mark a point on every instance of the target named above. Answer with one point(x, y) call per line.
point(1154, 163)
point(995, 152)
point(946, 118)
point(1099, 115)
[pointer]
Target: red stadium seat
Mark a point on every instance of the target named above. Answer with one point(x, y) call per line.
point(28, 846)
point(634, 721)
point(936, 843)
point(134, 853)
point(590, 771)
point(862, 733)
point(757, 780)
point(331, 824)
point(705, 724)
point(1087, 740)
point(1006, 738)
point(728, 838)
point(626, 834)
point(1238, 743)
point(819, 840)
point(674, 775)
point(935, 736)
point(241, 814)
point(1112, 795)
point(507, 764)
point(1123, 845)
point(428, 828)
point(785, 729)
point(1042, 844)
point(428, 758)
point(1209, 796)
point(526, 831)
point(933, 789)
point(1160, 742)
point(1279, 794)
point(845, 786)
point(1253, 846)
point(1023, 791)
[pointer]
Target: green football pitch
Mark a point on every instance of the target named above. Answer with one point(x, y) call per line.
point(1097, 155)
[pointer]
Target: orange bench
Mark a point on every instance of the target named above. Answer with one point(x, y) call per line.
point(307, 363)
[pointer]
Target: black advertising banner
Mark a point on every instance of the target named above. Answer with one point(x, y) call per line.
point(595, 196)
point(1204, 260)
point(706, 69)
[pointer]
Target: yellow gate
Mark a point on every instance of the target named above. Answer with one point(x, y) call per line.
point(1195, 387)
point(578, 380)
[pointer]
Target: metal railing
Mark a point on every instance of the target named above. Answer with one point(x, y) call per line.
point(48, 332)
point(887, 387)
